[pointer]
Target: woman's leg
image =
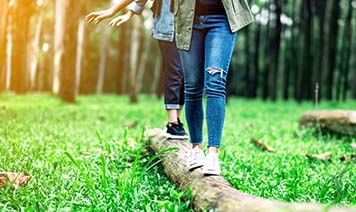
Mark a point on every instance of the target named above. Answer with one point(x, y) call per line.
point(173, 80)
point(193, 68)
point(219, 46)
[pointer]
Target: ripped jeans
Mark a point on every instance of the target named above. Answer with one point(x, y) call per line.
point(205, 67)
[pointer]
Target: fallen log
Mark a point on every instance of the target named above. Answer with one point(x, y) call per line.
point(338, 121)
point(214, 192)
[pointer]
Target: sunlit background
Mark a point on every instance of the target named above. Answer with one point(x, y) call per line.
point(299, 55)
point(296, 49)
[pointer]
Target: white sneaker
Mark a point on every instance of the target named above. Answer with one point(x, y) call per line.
point(196, 158)
point(211, 165)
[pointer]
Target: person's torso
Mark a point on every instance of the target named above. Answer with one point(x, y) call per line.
point(209, 7)
point(237, 11)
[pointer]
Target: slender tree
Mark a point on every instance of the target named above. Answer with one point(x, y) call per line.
point(59, 23)
point(124, 57)
point(332, 52)
point(267, 56)
point(289, 55)
point(143, 66)
point(247, 77)
point(135, 44)
point(346, 53)
point(80, 54)
point(276, 42)
point(120, 59)
point(36, 48)
point(320, 12)
point(68, 59)
point(3, 42)
point(307, 56)
point(104, 42)
point(256, 62)
point(20, 29)
point(295, 56)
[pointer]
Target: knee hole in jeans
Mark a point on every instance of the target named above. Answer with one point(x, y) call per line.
point(213, 71)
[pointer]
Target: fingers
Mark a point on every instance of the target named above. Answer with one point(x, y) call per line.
point(98, 19)
point(115, 22)
point(90, 18)
point(119, 23)
point(111, 23)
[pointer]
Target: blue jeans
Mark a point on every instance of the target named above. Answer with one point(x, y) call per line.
point(205, 66)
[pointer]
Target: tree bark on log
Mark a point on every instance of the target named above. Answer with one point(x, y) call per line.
point(337, 121)
point(214, 192)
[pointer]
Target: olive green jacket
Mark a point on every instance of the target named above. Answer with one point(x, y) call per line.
point(238, 13)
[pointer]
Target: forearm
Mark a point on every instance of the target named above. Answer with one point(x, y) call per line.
point(120, 5)
point(138, 6)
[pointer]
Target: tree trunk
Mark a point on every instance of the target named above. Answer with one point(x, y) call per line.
point(256, 62)
point(36, 49)
point(295, 57)
point(3, 42)
point(20, 73)
point(122, 62)
point(347, 41)
point(333, 36)
point(290, 49)
point(68, 59)
point(80, 54)
point(144, 63)
point(59, 22)
point(276, 42)
point(125, 66)
point(307, 67)
point(320, 11)
point(300, 63)
point(135, 45)
point(247, 78)
point(103, 60)
point(213, 193)
point(156, 75)
point(267, 60)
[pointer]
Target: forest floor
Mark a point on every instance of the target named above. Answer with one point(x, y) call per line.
point(83, 156)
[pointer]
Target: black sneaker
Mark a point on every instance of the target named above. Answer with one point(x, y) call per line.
point(175, 131)
point(181, 126)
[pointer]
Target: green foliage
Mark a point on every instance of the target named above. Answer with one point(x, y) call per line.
point(80, 156)
point(287, 174)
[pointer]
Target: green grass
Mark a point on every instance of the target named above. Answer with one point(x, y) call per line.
point(80, 157)
point(287, 174)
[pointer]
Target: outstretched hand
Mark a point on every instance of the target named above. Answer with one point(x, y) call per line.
point(121, 19)
point(98, 16)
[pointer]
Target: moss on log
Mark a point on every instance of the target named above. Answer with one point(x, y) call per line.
point(337, 121)
point(214, 192)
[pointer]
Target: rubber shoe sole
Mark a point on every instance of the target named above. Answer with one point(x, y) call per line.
point(211, 172)
point(179, 137)
point(193, 166)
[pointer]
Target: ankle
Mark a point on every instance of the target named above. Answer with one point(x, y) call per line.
point(200, 146)
point(213, 150)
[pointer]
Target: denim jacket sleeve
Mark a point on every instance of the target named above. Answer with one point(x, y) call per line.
point(138, 6)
